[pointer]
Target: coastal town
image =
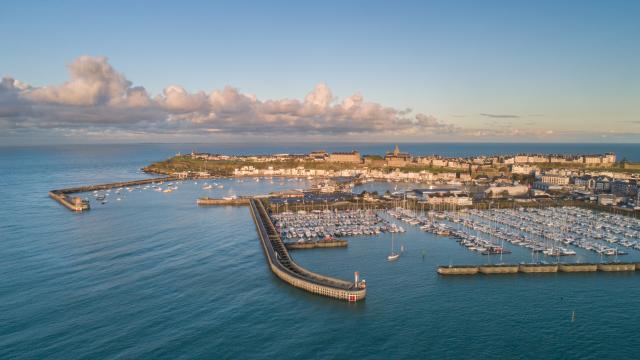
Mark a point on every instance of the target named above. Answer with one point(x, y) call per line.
point(597, 179)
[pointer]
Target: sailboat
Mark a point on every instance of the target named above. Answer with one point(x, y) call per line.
point(394, 255)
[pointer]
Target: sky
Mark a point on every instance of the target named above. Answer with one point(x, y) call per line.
point(415, 71)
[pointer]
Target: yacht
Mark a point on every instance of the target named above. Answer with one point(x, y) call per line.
point(393, 256)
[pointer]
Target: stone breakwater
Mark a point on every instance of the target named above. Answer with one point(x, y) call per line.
point(536, 268)
point(286, 269)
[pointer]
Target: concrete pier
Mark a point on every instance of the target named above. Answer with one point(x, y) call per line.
point(577, 267)
point(72, 203)
point(617, 267)
point(316, 244)
point(78, 205)
point(536, 268)
point(207, 201)
point(458, 270)
point(286, 269)
point(498, 269)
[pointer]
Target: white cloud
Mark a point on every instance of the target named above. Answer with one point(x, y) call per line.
point(99, 97)
point(93, 82)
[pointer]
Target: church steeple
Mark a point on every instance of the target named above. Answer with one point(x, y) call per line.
point(396, 151)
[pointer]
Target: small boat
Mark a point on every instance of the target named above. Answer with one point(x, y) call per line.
point(167, 190)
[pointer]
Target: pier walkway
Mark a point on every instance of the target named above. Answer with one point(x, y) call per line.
point(286, 269)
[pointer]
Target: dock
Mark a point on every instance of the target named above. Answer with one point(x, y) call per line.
point(537, 268)
point(76, 204)
point(283, 266)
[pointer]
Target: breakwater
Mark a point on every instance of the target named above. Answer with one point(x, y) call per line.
point(75, 203)
point(283, 266)
point(316, 244)
point(536, 268)
point(207, 201)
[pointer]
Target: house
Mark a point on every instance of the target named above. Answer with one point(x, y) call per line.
point(587, 182)
point(603, 184)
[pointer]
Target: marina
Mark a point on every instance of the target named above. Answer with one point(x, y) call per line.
point(547, 233)
point(317, 224)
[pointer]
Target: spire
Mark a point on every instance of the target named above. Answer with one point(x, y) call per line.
point(396, 151)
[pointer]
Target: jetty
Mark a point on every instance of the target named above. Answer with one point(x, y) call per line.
point(283, 266)
point(537, 268)
point(77, 204)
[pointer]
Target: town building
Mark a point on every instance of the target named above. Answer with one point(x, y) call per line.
point(397, 159)
point(523, 169)
point(443, 196)
point(345, 157)
point(587, 182)
point(555, 179)
point(603, 184)
point(319, 155)
point(502, 191)
point(624, 187)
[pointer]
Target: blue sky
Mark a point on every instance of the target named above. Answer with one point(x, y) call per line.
point(567, 69)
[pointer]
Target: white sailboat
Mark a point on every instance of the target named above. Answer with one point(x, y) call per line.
point(394, 255)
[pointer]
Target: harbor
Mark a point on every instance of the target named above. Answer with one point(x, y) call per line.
point(587, 241)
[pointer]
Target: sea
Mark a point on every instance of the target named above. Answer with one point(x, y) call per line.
point(154, 276)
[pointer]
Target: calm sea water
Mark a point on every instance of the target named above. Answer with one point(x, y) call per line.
point(154, 276)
